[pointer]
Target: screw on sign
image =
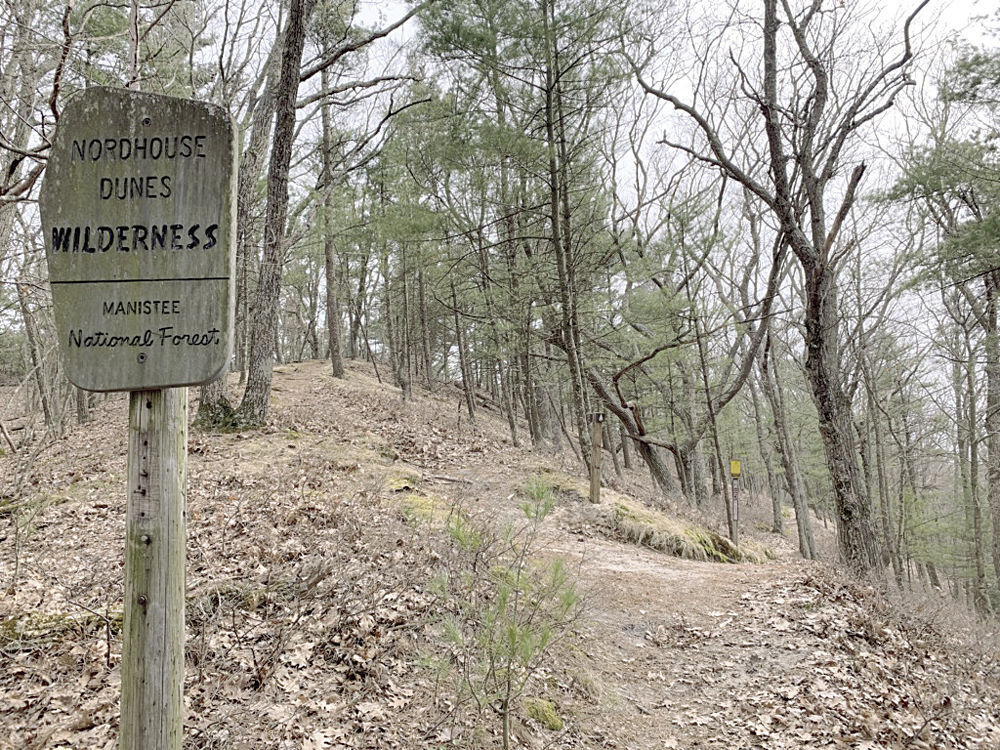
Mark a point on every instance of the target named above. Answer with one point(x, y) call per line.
point(138, 208)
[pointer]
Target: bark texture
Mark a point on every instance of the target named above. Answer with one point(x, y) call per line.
point(264, 320)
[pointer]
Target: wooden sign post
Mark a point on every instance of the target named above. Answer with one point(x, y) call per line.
point(735, 468)
point(155, 536)
point(138, 208)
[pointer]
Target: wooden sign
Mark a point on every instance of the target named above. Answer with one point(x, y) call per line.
point(138, 208)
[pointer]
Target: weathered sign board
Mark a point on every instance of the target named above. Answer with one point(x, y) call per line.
point(138, 211)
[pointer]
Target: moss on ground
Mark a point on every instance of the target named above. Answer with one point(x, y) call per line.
point(402, 480)
point(544, 712)
point(423, 506)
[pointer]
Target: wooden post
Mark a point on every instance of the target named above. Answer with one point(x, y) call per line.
point(596, 421)
point(735, 534)
point(735, 467)
point(152, 715)
point(150, 326)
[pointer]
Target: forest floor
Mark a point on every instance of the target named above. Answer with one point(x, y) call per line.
point(347, 563)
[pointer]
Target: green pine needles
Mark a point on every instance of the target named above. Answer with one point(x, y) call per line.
point(510, 606)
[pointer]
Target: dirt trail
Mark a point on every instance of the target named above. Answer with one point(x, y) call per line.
point(670, 653)
point(652, 630)
point(667, 641)
point(676, 653)
point(686, 654)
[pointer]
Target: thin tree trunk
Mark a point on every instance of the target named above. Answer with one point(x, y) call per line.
point(609, 445)
point(532, 401)
point(82, 407)
point(391, 327)
point(425, 338)
point(786, 452)
point(694, 461)
point(405, 375)
point(560, 244)
point(991, 347)
point(777, 522)
point(626, 447)
point(968, 464)
point(468, 387)
point(332, 300)
point(883, 486)
point(37, 364)
point(357, 308)
point(732, 520)
point(872, 452)
point(408, 347)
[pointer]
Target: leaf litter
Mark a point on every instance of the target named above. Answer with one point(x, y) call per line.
point(311, 603)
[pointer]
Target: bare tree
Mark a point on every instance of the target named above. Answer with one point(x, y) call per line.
point(808, 105)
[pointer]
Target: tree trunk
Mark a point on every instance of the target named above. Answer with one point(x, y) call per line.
point(609, 446)
point(499, 337)
point(968, 464)
point(392, 332)
point(628, 415)
point(264, 323)
point(468, 386)
point(357, 308)
point(771, 383)
point(626, 447)
point(883, 487)
point(991, 347)
point(37, 363)
point(560, 240)
point(777, 522)
point(214, 408)
point(425, 336)
point(689, 448)
point(855, 531)
point(82, 406)
point(403, 329)
point(732, 518)
point(250, 169)
point(332, 300)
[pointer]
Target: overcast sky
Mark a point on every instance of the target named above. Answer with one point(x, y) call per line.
point(957, 15)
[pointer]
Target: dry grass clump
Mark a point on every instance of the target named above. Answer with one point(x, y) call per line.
point(633, 522)
point(636, 524)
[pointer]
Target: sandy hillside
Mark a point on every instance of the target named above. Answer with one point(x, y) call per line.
point(348, 567)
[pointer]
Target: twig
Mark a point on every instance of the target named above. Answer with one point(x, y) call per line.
point(6, 437)
point(443, 478)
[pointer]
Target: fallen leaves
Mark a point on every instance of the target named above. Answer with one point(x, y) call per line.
point(825, 666)
point(309, 593)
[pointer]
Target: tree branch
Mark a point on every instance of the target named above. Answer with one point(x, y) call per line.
point(357, 44)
